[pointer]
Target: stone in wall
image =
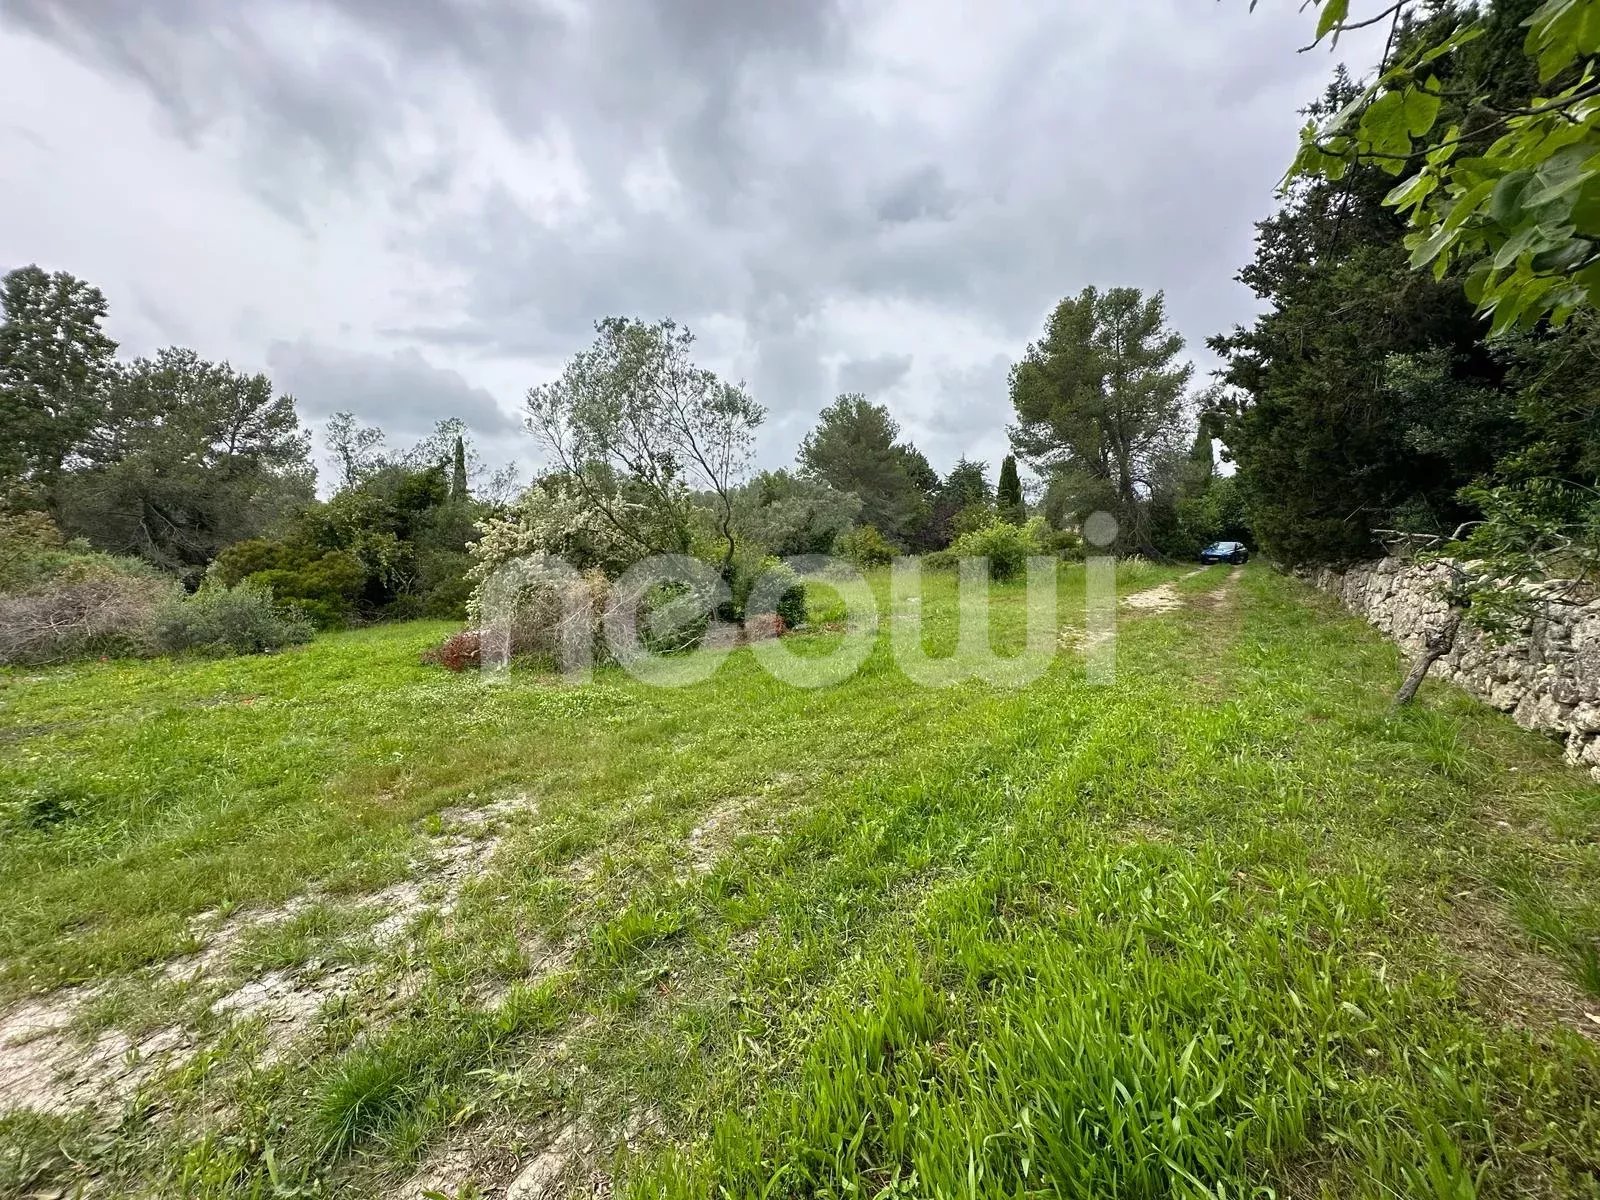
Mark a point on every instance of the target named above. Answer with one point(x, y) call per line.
point(1547, 676)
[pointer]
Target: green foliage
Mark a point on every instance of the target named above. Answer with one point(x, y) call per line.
point(1006, 546)
point(673, 617)
point(865, 547)
point(32, 546)
point(792, 606)
point(186, 457)
point(442, 587)
point(1099, 404)
point(635, 427)
point(792, 514)
point(324, 585)
point(1534, 530)
point(750, 564)
point(970, 518)
point(963, 501)
point(1065, 544)
point(242, 619)
point(55, 368)
point(1008, 496)
point(1215, 514)
point(967, 485)
point(1362, 396)
point(1500, 184)
point(855, 448)
point(458, 471)
point(1449, 432)
point(392, 546)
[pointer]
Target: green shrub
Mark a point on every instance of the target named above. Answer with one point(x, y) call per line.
point(31, 549)
point(323, 586)
point(1006, 546)
point(971, 519)
point(792, 603)
point(672, 617)
point(1063, 543)
point(941, 560)
point(865, 547)
point(749, 569)
point(243, 619)
point(442, 584)
point(749, 561)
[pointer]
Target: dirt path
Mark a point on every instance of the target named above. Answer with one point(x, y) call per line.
point(1166, 597)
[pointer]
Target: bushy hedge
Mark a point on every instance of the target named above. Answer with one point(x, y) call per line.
point(1008, 547)
point(865, 547)
point(61, 601)
point(243, 619)
point(324, 585)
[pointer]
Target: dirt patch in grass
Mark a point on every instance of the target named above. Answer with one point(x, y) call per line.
point(717, 828)
point(512, 1164)
point(715, 831)
point(1505, 976)
point(45, 1065)
point(1222, 598)
point(1160, 599)
point(1167, 597)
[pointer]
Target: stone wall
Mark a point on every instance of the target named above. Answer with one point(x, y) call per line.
point(1547, 678)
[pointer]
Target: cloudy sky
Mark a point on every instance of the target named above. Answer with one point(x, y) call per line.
point(415, 210)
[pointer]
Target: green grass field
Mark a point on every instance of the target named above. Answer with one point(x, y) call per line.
point(335, 923)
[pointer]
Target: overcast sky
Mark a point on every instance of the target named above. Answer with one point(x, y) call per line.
point(416, 210)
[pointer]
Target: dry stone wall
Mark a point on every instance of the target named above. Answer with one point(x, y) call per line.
point(1547, 677)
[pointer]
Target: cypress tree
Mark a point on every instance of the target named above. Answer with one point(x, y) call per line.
point(1008, 497)
point(458, 478)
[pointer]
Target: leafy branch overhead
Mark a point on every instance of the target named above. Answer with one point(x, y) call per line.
point(1504, 190)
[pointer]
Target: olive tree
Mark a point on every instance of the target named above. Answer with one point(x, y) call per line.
point(638, 429)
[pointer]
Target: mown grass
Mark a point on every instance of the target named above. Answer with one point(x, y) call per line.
point(1224, 928)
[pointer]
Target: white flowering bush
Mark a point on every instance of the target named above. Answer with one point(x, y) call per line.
point(546, 519)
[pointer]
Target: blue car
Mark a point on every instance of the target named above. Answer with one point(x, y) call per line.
point(1228, 552)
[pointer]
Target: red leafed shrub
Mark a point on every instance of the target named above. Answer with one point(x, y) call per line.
point(758, 627)
point(458, 653)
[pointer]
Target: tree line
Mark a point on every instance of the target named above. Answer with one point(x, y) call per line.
point(1428, 375)
point(1421, 369)
point(204, 472)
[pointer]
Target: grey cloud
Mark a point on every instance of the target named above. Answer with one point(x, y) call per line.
point(873, 375)
point(312, 121)
point(626, 76)
point(970, 410)
point(808, 172)
point(534, 289)
point(921, 195)
point(401, 392)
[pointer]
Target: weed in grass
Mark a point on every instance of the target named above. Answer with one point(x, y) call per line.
point(1567, 935)
point(362, 1093)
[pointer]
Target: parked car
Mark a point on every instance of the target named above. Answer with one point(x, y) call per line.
point(1230, 552)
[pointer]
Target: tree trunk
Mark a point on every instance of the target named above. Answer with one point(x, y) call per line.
point(1438, 644)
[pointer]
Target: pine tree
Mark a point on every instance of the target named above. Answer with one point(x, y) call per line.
point(1099, 403)
point(56, 365)
point(856, 448)
point(1008, 497)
